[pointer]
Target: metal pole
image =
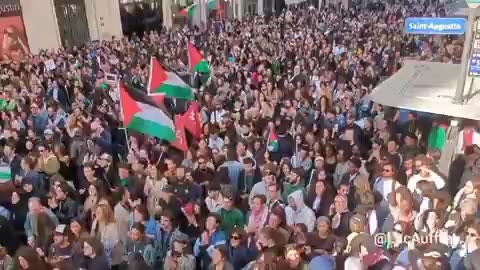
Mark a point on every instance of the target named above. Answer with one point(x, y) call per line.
point(467, 46)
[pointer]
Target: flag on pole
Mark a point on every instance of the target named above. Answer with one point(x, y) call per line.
point(181, 139)
point(159, 99)
point(272, 143)
point(162, 81)
point(212, 5)
point(190, 12)
point(196, 63)
point(140, 113)
point(192, 121)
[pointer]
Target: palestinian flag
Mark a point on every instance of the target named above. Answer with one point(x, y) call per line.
point(195, 60)
point(212, 5)
point(272, 143)
point(162, 81)
point(141, 114)
point(189, 11)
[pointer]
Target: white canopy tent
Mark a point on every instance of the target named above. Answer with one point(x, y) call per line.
point(429, 87)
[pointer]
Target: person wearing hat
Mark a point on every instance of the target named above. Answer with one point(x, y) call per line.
point(106, 169)
point(178, 258)
point(294, 183)
point(321, 242)
point(61, 249)
point(297, 212)
point(231, 216)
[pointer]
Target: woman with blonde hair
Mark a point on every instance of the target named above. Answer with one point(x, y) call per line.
point(152, 189)
point(105, 228)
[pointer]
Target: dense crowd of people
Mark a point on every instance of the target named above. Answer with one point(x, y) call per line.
point(349, 184)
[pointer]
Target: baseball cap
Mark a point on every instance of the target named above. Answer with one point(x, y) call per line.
point(60, 229)
point(323, 219)
point(48, 132)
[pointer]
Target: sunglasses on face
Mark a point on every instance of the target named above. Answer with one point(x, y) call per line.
point(235, 237)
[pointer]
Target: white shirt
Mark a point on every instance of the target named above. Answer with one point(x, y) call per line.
point(434, 177)
point(316, 203)
point(385, 186)
point(217, 143)
point(217, 116)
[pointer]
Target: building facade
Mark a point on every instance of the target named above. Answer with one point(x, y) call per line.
point(47, 24)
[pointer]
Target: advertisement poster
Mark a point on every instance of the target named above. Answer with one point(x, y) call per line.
point(13, 39)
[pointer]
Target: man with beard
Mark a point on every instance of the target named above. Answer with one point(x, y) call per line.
point(183, 189)
point(106, 169)
point(352, 133)
point(294, 183)
point(203, 173)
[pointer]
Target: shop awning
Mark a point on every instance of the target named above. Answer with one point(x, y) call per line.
point(429, 87)
point(294, 2)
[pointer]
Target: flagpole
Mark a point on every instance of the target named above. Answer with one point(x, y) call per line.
point(296, 153)
point(123, 116)
point(174, 71)
point(150, 76)
point(121, 107)
point(268, 139)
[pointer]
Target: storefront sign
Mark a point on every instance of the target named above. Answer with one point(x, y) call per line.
point(435, 26)
point(13, 39)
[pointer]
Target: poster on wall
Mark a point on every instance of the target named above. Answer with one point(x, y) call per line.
point(13, 39)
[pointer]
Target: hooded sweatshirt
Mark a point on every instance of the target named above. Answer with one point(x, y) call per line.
point(301, 213)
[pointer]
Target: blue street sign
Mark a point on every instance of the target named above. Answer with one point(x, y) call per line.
point(474, 67)
point(435, 26)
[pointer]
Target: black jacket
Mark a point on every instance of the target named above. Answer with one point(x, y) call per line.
point(66, 210)
point(98, 263)
point(9, 237)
